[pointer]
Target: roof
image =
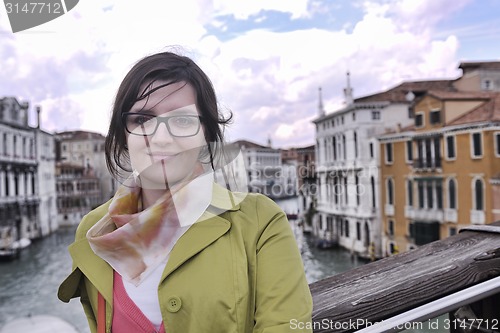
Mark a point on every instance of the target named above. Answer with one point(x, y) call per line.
point(473, 65)
point(78, 135)
point(486, 112)
point(398, 93)
point(461, 95)
point(248, 144)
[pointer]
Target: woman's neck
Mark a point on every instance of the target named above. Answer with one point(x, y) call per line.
point(149, 197)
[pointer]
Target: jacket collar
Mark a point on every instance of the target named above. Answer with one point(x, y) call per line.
point(211, 226)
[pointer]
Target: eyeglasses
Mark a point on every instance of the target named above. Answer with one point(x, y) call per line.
point(180, 126)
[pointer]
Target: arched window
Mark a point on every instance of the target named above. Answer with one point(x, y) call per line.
point(390, 191)
point(344, 150)
point(452, 193)
point(372, 183)
point(409, 193)
point(478, 194)
point(367, 234)
point(355, 144)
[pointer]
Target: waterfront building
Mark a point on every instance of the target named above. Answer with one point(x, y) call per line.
point(441, 173)
point(347, 163)
point(27, 201)
point(263, 169)
point(78, 192)
point(348, 159)
point(83, 180)
point(46, 182)
point(303, 161)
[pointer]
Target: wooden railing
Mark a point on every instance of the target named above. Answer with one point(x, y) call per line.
point(372, 293)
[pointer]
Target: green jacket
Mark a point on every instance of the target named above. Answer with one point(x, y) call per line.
point(237, 272)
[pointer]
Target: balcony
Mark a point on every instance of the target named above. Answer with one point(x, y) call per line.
point(450, 215)
point(427, 164)
point(409, 212)
point(477, 217)
point(389, 210)
point(426, 214)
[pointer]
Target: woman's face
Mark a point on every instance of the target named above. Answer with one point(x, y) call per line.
point(167, 135)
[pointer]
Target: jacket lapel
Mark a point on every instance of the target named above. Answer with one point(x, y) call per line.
point(95, 269)
point(197, 237)
point(209, 227)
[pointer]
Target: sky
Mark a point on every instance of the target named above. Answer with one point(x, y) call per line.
point(266, 58)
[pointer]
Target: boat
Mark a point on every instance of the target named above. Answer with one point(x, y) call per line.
point(11, 251)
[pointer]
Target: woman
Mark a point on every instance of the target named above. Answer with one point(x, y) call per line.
point(173, 251)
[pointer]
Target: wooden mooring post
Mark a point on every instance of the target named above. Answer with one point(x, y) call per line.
point(372, 293)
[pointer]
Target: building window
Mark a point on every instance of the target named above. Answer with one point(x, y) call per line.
point(358, 230)
point(373, 190)
point(488, 84)
point(409, 151)
point(376, 115)
point(355, 144)
point(354, 116)
point(371, 150)
point(409, 192)
point(439, 194)
point(344, 150)
point(358, 190)
point(346, 227)
point(477, 148)
point(6, 183)
point(452, 193)
point(388, 153)
point(390, 227)
point(430, 195)
point(419, 119)
point(411, 230)
point(435, 117)
point(14, 146)
point(420, 190)
point(390, 191)
point(450, 147)
point(497, 144)
point(346, 192)
point(5, 152)
point(478, 194)
point(334, 148)
point(452, 231)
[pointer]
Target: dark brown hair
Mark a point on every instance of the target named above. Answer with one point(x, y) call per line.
point(173, 68)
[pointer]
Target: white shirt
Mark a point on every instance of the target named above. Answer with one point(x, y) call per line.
point(190, 203)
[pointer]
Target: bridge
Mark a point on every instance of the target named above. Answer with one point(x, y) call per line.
point(458, 277)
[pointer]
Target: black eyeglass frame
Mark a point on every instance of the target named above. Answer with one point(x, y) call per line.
point(159, 120)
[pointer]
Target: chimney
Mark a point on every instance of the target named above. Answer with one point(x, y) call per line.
point(38, 110)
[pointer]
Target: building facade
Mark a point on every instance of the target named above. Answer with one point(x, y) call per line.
point(347, 164)
point(353, 200)
point(78, 192)
point(263, 168)
point(83, 180)
point(27, 199)
point(440, 174)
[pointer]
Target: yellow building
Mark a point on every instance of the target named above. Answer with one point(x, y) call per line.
point(441, 174)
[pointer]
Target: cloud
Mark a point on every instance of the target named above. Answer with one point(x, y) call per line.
point(242, 9)
point(269, 79)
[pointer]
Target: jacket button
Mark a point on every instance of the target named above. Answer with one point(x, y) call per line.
point(174, 304)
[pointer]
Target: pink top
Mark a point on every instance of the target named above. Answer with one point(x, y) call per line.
point(127, 317)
